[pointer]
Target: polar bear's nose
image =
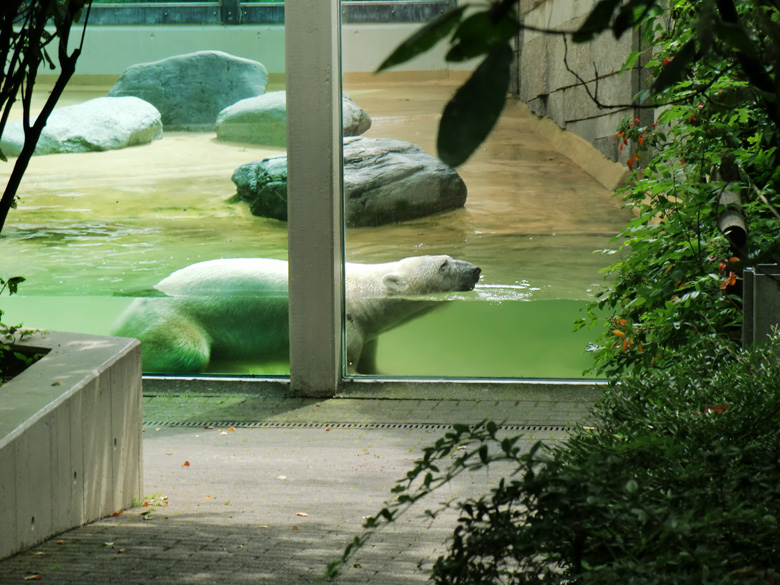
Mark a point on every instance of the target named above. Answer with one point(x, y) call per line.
point(473, 276)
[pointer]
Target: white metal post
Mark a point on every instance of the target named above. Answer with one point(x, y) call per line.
point(314, 186)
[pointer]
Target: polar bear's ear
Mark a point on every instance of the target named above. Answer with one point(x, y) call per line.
point(395, 283)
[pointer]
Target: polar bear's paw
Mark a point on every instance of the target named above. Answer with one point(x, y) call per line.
point(176, 348)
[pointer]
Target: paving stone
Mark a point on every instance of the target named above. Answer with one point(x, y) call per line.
point(232, 514)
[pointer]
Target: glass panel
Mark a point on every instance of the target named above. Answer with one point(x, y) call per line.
point(97, 234)
point(522, 212)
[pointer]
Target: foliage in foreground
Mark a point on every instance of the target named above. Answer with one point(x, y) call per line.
point(11, 361)
point(678, 482)
point(29, 31)
point(705, 185)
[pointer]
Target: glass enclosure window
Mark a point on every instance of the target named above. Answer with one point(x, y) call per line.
point(145, 231)
point(528, 217)
point(114, 240)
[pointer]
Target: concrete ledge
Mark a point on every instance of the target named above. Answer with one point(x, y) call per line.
point(582, 153)
point(70, 437)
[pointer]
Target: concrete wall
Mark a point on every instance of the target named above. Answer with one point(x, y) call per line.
point(109, 50)
point(544, 83)
point(70, 437)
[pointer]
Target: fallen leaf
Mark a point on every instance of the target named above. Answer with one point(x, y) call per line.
point(185, 464)
point(39, 553)
point(231, 428)
point(171, 453)
point(282, 477)
point(327, 429)
point(302, 514)
point(295, 528)
point(223, 433)
point(209, 497)
point(33, 577)
point(58, 383)
point(108, 544)
point(120, 551)
point(357, 566)
point(115, 514)
point(208, 427)
point(60, 542)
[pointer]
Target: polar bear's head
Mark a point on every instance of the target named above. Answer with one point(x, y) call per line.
point(430, 274)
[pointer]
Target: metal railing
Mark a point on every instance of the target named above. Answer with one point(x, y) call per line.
point(236, 12)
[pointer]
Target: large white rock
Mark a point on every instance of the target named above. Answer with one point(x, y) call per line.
point(191, 90)
point(105, 123)
point(263, 120)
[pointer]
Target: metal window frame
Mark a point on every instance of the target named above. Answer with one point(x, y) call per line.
point(236, 12)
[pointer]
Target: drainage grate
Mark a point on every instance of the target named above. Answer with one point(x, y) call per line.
point(349, 425)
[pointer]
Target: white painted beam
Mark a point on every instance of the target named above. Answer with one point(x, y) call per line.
point(314, 186)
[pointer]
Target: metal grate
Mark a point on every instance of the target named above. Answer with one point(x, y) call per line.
point(349, 425)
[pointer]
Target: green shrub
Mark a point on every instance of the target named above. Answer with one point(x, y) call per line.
point(11, 361)
point(677, 287)
point(677, 482)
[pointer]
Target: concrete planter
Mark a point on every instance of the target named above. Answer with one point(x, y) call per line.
point(70, 437)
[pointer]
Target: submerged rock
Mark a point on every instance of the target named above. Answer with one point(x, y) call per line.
point(105, 123)
point(191, 90)
point(263, 120)
point(385, 181)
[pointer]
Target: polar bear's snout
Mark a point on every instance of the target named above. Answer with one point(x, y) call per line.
point(472, 275)
point(464, 273)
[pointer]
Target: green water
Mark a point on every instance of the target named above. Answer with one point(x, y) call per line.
point(468, 338)
point(91, 230)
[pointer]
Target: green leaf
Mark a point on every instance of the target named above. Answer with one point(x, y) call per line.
point(629, 16)
point(13, 284)
point(597, 21)
point(736, 37)
point(630, 61)
point(674, 69)
point(478, 34)
point(425, 38)
point(475, 108)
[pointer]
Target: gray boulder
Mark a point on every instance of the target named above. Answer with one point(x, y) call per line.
point(263, 184)
point(385, 181)
point(263, 120)
point(191, 90)
point(99, 124)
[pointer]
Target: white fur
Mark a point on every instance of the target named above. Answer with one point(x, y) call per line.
point(237, 308)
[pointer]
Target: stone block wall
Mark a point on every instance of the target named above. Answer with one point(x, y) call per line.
point(543, 81)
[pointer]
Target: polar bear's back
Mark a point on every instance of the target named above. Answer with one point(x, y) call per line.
point(229, 276)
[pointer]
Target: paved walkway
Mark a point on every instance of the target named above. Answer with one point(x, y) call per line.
point(277, 499)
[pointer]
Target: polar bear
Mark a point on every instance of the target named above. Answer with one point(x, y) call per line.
point(237, 308)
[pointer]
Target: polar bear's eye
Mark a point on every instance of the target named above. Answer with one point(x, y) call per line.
point(443, 264)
